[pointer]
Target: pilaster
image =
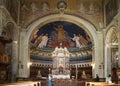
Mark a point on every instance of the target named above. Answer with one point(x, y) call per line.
point(23, 56)
point(99, 59)
point(14, 60)
point(118, 27)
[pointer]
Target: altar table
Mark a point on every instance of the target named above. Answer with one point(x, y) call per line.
point(61, 76)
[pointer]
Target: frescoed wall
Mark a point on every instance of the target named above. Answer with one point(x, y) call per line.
point(31, 10)
point(111, 10)
point(13, 7)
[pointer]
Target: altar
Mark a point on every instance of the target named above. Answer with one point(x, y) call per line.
point(61, 76)
point(61, 67)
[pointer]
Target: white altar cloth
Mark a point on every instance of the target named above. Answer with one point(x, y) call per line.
point(61, 76)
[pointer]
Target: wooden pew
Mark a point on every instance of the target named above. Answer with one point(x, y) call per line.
point(94, 83)
point(108, 85)
point(100, 84)
point(24, 83)
point(36, 83)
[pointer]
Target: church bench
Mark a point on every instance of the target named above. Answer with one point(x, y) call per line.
point(100, 84)
point(94, 83)
point(36, 83)
point(24, 83)
point(108, 85)
point(67, 82)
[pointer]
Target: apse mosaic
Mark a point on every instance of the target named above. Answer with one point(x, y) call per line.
point(60, 34)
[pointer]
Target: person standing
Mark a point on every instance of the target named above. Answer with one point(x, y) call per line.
point(97, 78)
point(108, 79)
point(49, 81)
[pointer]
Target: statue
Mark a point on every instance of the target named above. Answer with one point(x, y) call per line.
point(39, 74)
point(84, 75)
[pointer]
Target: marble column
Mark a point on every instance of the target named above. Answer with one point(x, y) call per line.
point(14, 60)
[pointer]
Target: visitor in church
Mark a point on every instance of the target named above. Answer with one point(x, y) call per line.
point(108, 79)
point(97, 78)
point(49, 81)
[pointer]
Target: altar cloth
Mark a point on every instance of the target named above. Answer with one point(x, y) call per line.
point(61, 76)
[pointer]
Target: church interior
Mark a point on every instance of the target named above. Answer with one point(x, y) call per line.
point(59, 42)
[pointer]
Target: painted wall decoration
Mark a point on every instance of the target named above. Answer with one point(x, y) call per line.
point(60, 34)
point(111, 10)
point(52, 34)
point(12, 6)
point(31, 10)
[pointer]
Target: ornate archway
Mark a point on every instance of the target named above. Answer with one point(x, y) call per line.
point(57, 17)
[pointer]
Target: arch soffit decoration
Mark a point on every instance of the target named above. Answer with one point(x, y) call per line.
point(109, 33)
